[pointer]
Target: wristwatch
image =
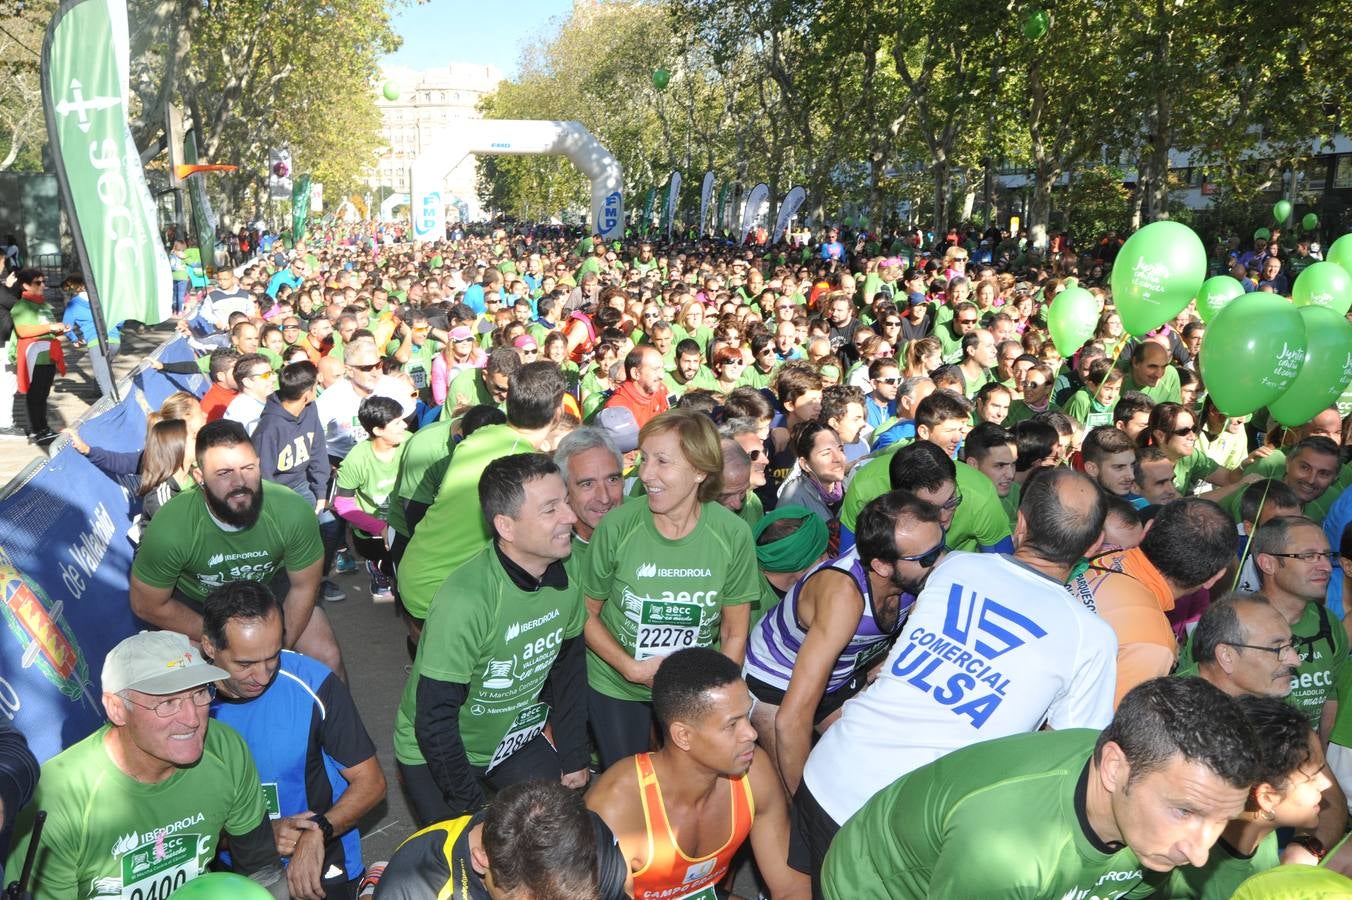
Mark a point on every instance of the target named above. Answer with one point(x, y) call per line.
point(1311, 843)
point(327, 827)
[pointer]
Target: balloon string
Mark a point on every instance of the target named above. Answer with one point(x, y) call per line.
point(1248, 545)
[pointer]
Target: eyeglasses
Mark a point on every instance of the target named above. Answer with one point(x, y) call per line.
point(1032, 385)
point(167, 708)
point(371, 368)
point(1310, 555)
point(265, 374)
point(1275, 651)
point(929, 557)
point(891, 379)
point(290, 328)
point(953, 502)
point(966, 321)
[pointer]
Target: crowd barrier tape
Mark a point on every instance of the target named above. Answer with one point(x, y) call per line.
point(65, 565)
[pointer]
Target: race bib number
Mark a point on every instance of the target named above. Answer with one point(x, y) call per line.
point(707, 894)
point(665, 626)
point(155, 870)
point(527, 725)
point(419, 376)
point(270, 800)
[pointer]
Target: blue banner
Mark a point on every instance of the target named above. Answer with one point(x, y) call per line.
point(65, 565)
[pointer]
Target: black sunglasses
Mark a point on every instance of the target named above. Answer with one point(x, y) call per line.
point(930, 556)
point(371, 368)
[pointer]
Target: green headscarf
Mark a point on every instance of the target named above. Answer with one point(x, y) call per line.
point(796, 551)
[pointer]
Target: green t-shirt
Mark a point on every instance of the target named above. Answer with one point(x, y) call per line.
point(979, 521)
point(371, 480)
point(648, 580)
point(1322, 644)
point(1020, 411)
point(1192, 470)
point(995, 819)
point(1224, 872)
point(486, 632)
point(453, 529)
point(703, 381)
point(1009, 503)
point(427, 453)
point(753, 510)
point(465, 390)
point(950, 345)
point(109, 835)
point(1167, 389)
point(1083, 408)
point(754, 377)
point(419, 366)
point(185, 547)
point(26, 313)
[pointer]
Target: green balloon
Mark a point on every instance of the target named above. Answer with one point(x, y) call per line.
point(1262, 233)
point(390, 90)
point(661, 78)
point(1071, 319)
point(1326, 372)
point(1158, 271)
point(221, 886)
point(1281, 211)
point(1215, 294)
point(1071, 282)
point(1340, 253)
point(1036, 23)
point(1309, 222)
point(1324, 284)
point(1252, 352)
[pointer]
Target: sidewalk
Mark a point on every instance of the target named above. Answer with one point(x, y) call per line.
point(74, 393)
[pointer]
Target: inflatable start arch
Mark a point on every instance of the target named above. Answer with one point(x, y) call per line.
point(519, 137)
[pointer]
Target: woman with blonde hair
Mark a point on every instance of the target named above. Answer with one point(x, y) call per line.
point(676, 571)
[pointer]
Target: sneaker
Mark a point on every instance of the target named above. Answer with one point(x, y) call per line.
point(331, 592)
point(11, 431)
point(381, 589)
point(343, 563)
point(44, 438)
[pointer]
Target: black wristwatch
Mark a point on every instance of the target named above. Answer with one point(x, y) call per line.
point(1311, 843)
point(324, 825)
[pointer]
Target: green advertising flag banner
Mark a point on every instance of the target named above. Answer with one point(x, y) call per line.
point(720, 217)
point(648, 210)
point(300, 208)
point(203, 219)
point(112, 218)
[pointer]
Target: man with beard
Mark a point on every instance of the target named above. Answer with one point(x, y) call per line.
point(237, 527)
point(814, 649)
point(994, 646)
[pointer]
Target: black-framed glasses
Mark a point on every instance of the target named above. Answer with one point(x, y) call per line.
point(1184, 432)
point(754, 455)
point(1310, 555)
point(168, 708)
point(930, 556)
point(953, 502)
point(891, 379)
point(1275, 651)
point(371, 368)
point(966, 321)
point(892, 323)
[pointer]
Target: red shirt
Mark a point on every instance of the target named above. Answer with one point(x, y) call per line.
point(215, 400)
point(643, 407)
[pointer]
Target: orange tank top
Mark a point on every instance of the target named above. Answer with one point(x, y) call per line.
point(669, 874)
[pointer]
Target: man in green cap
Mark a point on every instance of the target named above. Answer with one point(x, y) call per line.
point(814, 649)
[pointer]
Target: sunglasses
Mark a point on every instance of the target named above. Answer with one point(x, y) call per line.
point(966, 321)
point(1184, 432)
point(265, 375)
point(755, 455)
point(371, 368)
point(892, 323)
point(929, 557)
point(892, 379)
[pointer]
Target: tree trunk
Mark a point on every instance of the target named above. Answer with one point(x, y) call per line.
point(1040, 210)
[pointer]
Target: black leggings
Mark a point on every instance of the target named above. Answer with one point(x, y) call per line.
point(40, 380)
point(620, 727)
point(532, 762)
point(811, 830)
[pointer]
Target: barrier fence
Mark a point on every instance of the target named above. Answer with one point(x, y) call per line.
point(65, 565)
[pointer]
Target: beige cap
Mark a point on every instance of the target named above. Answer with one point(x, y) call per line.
point(157, 662)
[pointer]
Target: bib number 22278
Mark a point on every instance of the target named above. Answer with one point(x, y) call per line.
point(665, 626)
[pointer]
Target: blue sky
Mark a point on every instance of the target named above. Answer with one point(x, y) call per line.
point(444, 31)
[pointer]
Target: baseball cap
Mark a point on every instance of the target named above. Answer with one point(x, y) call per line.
point(525, 342)
point(461, 333)
point(620, 424)
point(157, 662)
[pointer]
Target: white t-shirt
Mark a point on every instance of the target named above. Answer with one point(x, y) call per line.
point(991, 648)
point(246, 411)
point(337, 408)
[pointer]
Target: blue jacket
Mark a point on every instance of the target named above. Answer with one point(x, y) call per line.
point(80, 316)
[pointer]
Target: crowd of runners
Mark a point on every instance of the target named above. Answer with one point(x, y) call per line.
point(817, 555)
